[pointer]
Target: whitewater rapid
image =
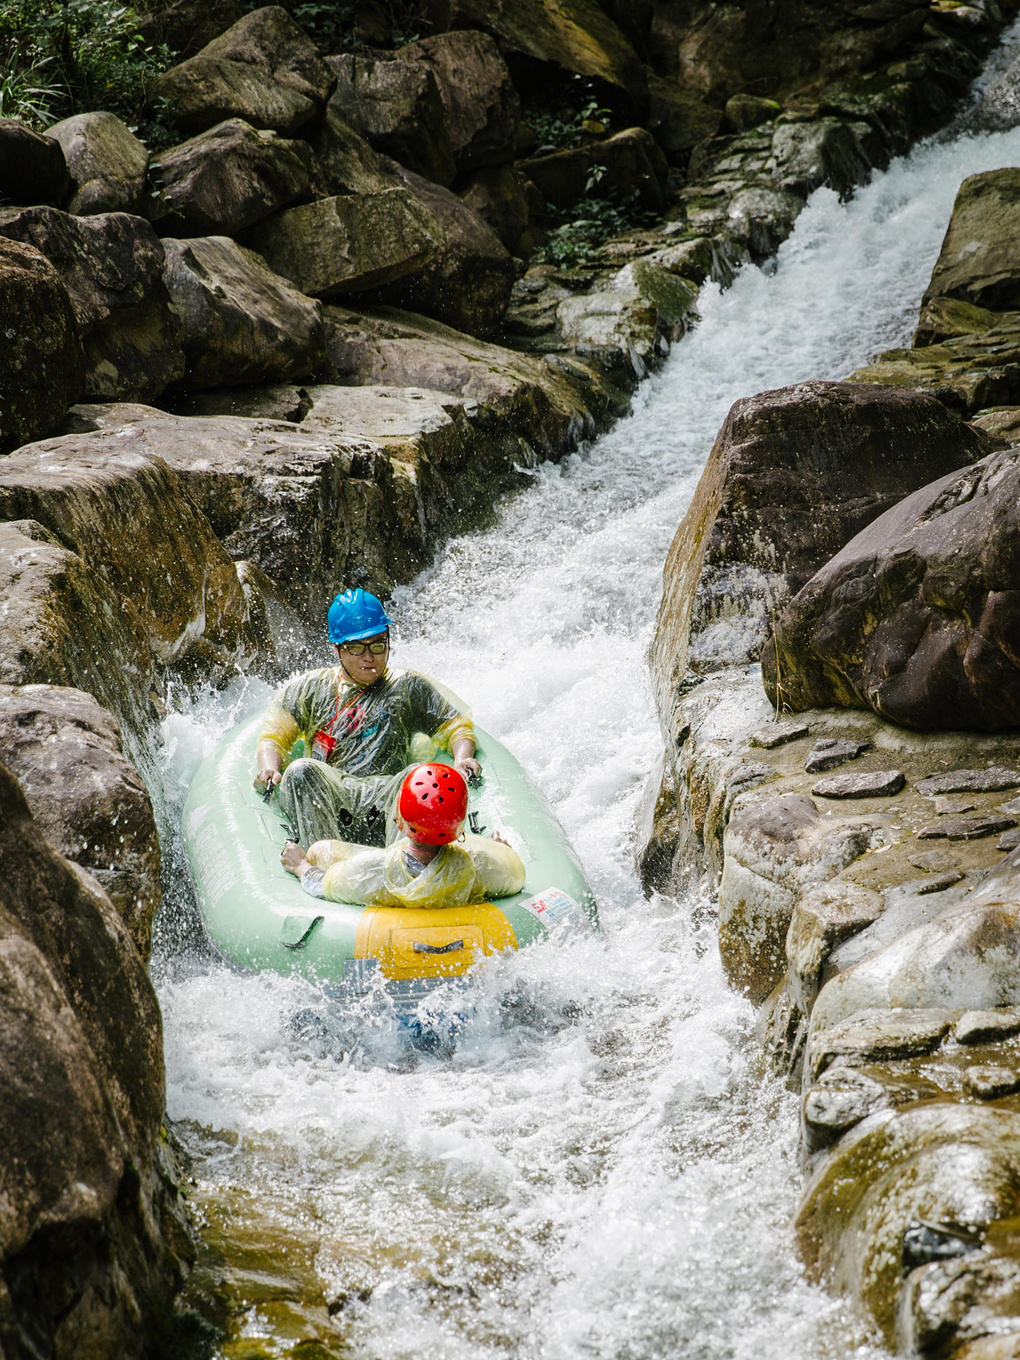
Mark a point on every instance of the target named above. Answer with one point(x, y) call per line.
point(597, 1167)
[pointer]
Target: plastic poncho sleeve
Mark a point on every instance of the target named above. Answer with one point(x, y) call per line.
point(458, 875)
point(439, 714)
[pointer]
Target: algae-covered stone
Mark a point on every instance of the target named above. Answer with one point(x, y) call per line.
point(938, 1163)
point(226, 179)
point(822, 918)
point(637, 314)
point(824, 151)
point(347, 245)
point(65, 751)
point(43, 367)
point(629, 162)
point(106, 161)
point(980, 259)
point(240, 322)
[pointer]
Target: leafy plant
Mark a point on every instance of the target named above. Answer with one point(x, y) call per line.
point(589, 224)
point(67, 56)
point(330, 26)
point(565, 127)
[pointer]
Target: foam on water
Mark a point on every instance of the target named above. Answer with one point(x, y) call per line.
point(593, 1166)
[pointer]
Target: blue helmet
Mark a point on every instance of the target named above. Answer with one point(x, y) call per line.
point(355, 614)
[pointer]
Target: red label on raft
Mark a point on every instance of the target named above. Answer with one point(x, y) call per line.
point(322, 746)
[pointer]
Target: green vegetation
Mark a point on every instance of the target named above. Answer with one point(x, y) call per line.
point(589, 224)
point(59, 57)
point(330, 26)
point(566, 127)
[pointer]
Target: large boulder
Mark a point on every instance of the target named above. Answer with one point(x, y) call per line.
point(264, 69)
point(32, 167)
point(631, 319)
point(793, 475)
point(479, 101)
point(63, 624)
point(467, 282)
point(571, 35)
point(980, 258)
point(112, 265)
point(678, 119)
point(65, 750)
point(241, 323)
point(347, 244)
point(918, 617)
point(92, 1227)
point(345, 163)
point(226, 179)
point(106, 161)
point(396, 106)
point(628, 163)
point(173, 577)
point(306, 507)
point(42, 369)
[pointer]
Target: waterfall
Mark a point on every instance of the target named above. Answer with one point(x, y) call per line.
point(597, 1166)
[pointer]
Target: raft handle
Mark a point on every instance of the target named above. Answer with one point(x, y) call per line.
point(420, 947)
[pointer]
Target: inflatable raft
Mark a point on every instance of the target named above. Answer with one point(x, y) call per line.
point(261, 918)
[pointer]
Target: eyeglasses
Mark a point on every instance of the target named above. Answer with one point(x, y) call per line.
point(360, 648)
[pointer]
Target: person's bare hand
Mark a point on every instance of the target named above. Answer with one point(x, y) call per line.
point(468, 766)
point(267, 776)
point(502, 839)
point(293, 859)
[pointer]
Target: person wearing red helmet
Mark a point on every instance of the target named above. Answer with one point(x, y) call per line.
point(434, 865)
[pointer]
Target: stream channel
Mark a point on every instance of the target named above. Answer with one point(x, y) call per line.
point(593, 1164)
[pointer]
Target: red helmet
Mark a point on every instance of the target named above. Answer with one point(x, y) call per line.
point(433, 802)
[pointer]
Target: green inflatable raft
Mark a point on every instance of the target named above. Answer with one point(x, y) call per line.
point(261, 918)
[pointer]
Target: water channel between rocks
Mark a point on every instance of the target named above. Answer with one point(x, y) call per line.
point(597, 1166)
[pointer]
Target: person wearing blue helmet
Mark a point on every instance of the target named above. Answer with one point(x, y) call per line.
point(363, 724)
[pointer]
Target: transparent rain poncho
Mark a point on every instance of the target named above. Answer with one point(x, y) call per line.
point(474, 871)
point(373, 734)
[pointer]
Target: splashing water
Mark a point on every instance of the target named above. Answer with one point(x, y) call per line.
point(595, 1167)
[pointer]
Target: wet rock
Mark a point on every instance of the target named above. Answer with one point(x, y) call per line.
point(106, 161)
point(746, 111)
point(1009, 840)
point(877, 1034)
point(548, 407)
point(962, 959)
point(952, 806)
point(771, 852)
point(32, 167)
point(990, 780)
point(779, 733)
point(979, 1027)
point(263, 69)
point(678, 119)
point(937, 884)
point(227, 179)
point(44, 366)
point(829, 752)
point(240, 322)
point(989, 1082)
point(397, 108)
point(112, 267)
point(824, 151)
point(966, 828)
point(635, 316)
point(565, 33)
point(794, 474)
point(1001, 422)
point(979, 262)
point(65, 751)
point(630, 163)
point(92, 1227)
point(761, 217)
point(178, 584)
point(838, 1100)
point(467, 279)
point(345, 245)
point(63, 625)
point(917, 663)
point(504, 199)
point(944, 318)
point(480, 105)
point(873, 784)
point(952, 1300)
point(823, 917)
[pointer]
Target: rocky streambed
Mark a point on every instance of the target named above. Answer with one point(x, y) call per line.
point(307, 428)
